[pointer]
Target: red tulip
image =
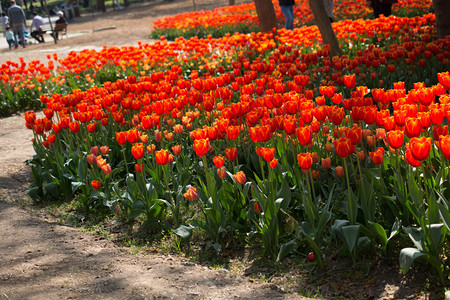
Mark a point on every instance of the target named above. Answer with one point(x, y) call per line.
point(409, 158)
point(162, 157)
point(304, 135)
point(201, 147)
point(231, 154)
point(420, 148)
point(305, 160)
point(139, 167)
point(343, 147)
point(377, 156)
point(395, 138)
point(132, 136)
point(96, 184)
point(444, 144)
point(339, 171)
point(350, 81)
point(219, 161)
point(138, 150)
point(268, 154)
point(413, 127)
point(121, 138)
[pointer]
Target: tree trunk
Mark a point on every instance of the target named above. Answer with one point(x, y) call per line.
point(323, 22)
point(442, 12)
point(101, 5)
point(266, 15)
point(231, 2)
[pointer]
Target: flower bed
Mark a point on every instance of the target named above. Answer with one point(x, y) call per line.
point(257, 137)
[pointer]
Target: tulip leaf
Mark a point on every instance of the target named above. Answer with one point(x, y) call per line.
point(52, 189)
point(417, 236)
point(350, 233)
point(285, 249)
point(380, 233)
point(184, 232)
point(414, 191)
point(407, 257)
point(436, 233)
point(76, 185)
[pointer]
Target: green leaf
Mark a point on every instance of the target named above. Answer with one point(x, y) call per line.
point(436, 233)
point(217, 247)
point(444, 211)
point(52, 189)
point(395, 228)
point(417, 236)
point(350, 233)
point(433, 211)
point(407, 257)
point(34, 192)
point(380, 233)
point(184, 232)
point(414, 191)
point(76, 185)
point(286, 248)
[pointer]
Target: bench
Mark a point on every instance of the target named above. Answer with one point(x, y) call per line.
point(61, 28)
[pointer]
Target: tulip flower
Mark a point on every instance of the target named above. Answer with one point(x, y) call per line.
point(139, 167)
point(191, 194)
point(96, 184)
point(138, 150)
point(339, 171)
point(343, 147)
point(377, 156)
point(231, 154)
point(305, 160)
point(201, 147)
point(444, 145)
point(420, 148)
point(395, 138)
point(240, 177)
point(162, 157)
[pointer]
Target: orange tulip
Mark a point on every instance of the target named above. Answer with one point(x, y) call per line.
point(138, 150)
point(96, 184)
point(420, 148)
point(444, 145)
point(304, 160)
point(231, 154)
point(240, 177)
point(162, 157)
point(191, 194)
point(201, 147)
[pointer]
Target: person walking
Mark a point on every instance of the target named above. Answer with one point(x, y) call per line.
point(9, 37)
point(17, 21)
point(4, 21)
point(37, 22)
point(287, 8)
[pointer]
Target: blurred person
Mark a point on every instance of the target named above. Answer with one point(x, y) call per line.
point(287, 8)
point(10, 37)
point(17, 21)
point(4, 21)
point(37, 22)
point(60, 21)
point(381, 7)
